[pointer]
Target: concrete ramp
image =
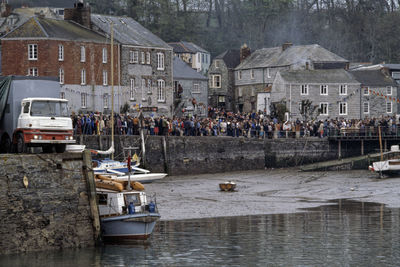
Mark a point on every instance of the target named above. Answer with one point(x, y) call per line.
point(353, 163)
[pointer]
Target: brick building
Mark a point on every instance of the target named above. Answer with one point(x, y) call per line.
point(78, 56)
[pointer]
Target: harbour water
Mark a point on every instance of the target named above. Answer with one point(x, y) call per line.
point(340, 233)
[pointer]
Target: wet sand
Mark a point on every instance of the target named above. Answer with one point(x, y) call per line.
point(273, 191)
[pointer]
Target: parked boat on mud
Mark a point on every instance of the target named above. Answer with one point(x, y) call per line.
point(126, 215)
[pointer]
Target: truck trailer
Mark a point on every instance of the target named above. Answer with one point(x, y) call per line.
point(33, 115)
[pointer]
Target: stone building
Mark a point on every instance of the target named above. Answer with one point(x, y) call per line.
point(334, 92)
point(78, 56)
point(145, 65)
point(190, 90)
point(379, 92)
point(221, 90)
point(256, 73)
point(192, 54)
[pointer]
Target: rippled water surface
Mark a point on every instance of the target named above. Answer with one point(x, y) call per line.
point(342, 233)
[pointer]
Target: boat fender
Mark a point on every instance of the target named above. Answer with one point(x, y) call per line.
point(131, 208)
point(152, 206)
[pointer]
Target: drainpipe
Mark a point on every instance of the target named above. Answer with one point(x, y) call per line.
point(290, 100)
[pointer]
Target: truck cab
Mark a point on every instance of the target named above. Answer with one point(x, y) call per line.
point(43, 122)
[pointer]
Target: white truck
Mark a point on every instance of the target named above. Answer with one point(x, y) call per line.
point(32, 115)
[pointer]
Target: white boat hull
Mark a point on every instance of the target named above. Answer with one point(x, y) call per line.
point(127, 227)
point(142, 178)
point(386, 166)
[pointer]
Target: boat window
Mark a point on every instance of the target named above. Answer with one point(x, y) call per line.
point(102, 199)
point(132, 198)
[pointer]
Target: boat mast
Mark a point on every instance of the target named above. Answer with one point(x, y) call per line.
point(112, 86)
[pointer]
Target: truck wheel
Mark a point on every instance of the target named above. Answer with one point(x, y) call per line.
point(60, 148)
point(5, 145)
point(21, 146)
point(47, 148)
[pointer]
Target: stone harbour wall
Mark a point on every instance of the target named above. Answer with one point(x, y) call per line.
point(182, 155)
point(44, 203)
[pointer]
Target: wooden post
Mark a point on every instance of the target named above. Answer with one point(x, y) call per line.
point(91, 187)
point(362, 147)
point(340, 149)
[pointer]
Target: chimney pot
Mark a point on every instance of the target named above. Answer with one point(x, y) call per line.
point(286, 46)
point(245, 52)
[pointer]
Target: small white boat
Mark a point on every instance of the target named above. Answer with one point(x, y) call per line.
point(110, 166)
point(126, 215)
point(390, 166)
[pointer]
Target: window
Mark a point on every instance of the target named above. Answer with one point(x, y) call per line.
point(388, 90)
point(132, 89)
point(202, 58)
point(32, 52)
point(105, 101)
point(343, 89)
point(388, 107)
point(83, 77)
point(239, 75)
point(196, 88)
point(62, 95)
point(83, 100)
point(104, 55)
point(143, 58)
point(240, 92)
point(33, 72)
point(366, 107)
point(83, 54)
point(252, 74)
point(148, 86)
point(216, 81)
point(304, 89)
point(268, 73)
point(342, 108)
point(160, 61)
point(396, 75)
point(148, 57)
point(324, 89)
point(366, 90)
point(143, 89)
point(221, 99)
point(60, 52)
point(133, 57)
point(323, 109)
point(216, 63)
point(161, 90)
point(105, 78)
point(61, 76)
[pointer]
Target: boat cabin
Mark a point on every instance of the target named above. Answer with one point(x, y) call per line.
point(113, 203)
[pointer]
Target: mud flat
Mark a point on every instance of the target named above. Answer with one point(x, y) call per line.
point(270, 191)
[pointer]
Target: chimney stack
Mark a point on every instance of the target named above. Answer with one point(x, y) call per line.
point(286, 46)
point(5, 9)
point(79, 13)
point(245, 52)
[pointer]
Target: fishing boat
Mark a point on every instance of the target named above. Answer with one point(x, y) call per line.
point(126, 215)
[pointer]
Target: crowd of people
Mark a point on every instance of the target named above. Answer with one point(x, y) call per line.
point(222, 123)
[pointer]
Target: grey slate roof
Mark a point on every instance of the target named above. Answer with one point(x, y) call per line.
point(230, 57)
point(187, 47)
point(183, 71)
point(275, 57)
point(318, 76)
point(47, 28)
point(373, 78)
point(128, 31)
point(392, 66)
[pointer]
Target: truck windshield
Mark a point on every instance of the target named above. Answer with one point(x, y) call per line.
point(49, 109)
